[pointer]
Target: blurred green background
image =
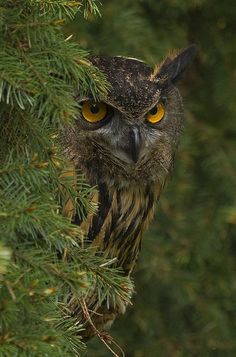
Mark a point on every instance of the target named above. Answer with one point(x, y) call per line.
point(185, 302)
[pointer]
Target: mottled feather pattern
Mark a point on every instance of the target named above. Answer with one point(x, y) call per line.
point(116, 231)
point(128, 159)
point(123, 214)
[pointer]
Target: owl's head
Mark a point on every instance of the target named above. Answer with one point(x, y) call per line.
point(132, 134)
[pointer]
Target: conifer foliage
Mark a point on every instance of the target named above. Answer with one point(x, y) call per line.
point(41, 256)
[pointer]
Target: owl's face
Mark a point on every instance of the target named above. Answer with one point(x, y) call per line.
point(131, 135)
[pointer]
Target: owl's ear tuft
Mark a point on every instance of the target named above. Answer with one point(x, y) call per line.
point(172, 69)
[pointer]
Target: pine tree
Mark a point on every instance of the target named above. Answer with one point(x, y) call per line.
point(42, 258)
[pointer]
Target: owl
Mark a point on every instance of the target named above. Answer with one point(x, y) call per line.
point(125, 146)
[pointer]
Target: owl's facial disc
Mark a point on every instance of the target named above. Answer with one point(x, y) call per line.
point(132, 145)
point(124, 137)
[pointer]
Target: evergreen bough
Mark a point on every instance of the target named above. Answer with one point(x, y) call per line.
point(42, 257)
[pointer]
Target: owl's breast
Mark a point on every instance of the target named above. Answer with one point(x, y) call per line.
point(117, 227)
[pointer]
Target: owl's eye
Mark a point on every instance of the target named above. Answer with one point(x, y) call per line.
point(93, 112)
point(156, 113)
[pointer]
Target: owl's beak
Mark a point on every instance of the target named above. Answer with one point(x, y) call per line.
point(134, 144)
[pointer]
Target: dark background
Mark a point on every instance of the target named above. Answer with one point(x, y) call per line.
point(185, 301)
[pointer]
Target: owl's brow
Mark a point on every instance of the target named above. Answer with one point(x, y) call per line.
point(177, 113)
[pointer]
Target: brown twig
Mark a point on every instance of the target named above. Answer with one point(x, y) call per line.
point(101, 334)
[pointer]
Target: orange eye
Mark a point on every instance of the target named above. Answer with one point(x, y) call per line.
point(93, 112)
point(156, 113)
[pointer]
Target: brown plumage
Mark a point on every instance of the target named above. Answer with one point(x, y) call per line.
point(126, 147)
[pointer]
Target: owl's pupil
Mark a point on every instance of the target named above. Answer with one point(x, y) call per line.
point(94, 108)
point(153, 111)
